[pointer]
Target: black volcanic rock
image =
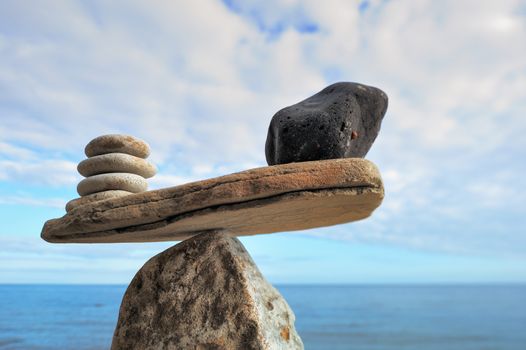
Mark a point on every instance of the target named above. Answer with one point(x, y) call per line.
point(341, 121)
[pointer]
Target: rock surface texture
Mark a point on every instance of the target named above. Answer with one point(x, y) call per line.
point(95, 197)
point(341, 121)
point(204, 293)
point(116, 143)
point(116, 167)
point(112, 181)
point(285, 197)
point(116, 163)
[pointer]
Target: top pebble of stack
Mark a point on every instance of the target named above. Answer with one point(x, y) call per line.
point(115, 143)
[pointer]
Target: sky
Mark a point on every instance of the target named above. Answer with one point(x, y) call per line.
point(200, 82)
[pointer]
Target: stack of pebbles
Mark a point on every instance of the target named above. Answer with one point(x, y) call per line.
point(116, 167)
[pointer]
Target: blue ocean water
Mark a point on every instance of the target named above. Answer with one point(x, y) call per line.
point(327, 317)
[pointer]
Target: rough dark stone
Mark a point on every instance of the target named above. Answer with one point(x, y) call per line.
point(341, 121)
point(204, 293)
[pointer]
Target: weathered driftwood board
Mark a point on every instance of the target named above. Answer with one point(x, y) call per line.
point(286, 197)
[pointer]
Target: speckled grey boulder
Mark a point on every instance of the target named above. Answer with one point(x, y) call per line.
point(341, 121)
point(95, 197)
point(116, 163)
point(112, 181)
point(115, 143)
point(204, 293)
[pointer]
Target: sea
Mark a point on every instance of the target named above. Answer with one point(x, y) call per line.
point(379, 317)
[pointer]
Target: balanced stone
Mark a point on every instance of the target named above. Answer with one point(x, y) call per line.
point(95, 197)
point(116, 163)
point(112, 181)
point(286, 197)
point(115, 143)
point(341, 121)
point(204, 293)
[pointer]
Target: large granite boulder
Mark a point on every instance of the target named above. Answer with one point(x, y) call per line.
point(204, 293)
point(341, 121)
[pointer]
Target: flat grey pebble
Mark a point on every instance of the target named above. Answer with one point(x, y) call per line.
point(116, 143)
point(112, 181)
point(116, 163)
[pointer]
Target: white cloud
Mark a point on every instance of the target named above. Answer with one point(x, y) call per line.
point(36, 261)
point(52, 172)
point(162, 181)
point(14, 152)
point(31, 201)
point(200, 83)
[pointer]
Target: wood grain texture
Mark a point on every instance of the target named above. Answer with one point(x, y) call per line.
point(286, 197)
